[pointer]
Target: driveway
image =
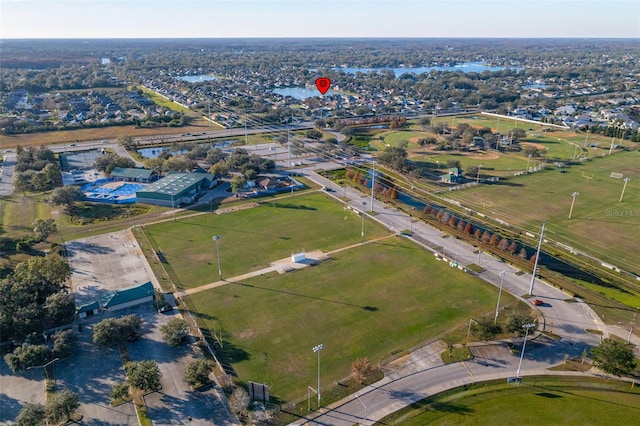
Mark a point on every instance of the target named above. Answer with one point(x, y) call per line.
point(91, 373)
point(176, 403)
point(17, 390)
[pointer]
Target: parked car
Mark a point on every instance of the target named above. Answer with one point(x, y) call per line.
point(537, 302)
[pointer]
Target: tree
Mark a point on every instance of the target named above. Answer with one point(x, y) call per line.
point(61, 406)
point(516, 322)
point(109, 161)
point(60, 308)
point(120, 392)
point(179, 164)
point(64, 343)
point(472, 171)
point(174, 331)
point(65, 196)
point(144, 375)
point(26, 356)
point(361, 369)
point(313, 134)
point(613, 357)
point(468, 228)
point(114, 330)
point(239, 401)
point(486, 330)
point(42, 228)
point(494, 240)
point(198, 371)
point(486, 237)
point(237, 183)
point(31, 415)
point(126, 142)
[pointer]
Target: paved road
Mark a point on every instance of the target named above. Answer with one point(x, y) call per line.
point(567, 320)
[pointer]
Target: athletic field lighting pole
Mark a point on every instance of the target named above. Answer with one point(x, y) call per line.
point(499, 294)
point(216, 238)
point(574, 195)
point(527, 326)
point(317, 349)
point(626, 180)
point(535, 266)
point(364, 205)
point(373, 181)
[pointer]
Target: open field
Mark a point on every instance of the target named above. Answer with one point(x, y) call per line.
point(383, 298)
point(536, 401)
point(252, 238)
point(600, 224)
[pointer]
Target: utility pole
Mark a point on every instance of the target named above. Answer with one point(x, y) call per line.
point(574, 195)
point(499, 294)
point(524, 344)
point(317, 349)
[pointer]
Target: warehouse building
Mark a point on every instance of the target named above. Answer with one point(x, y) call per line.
point(133, 175)
point(176, 189)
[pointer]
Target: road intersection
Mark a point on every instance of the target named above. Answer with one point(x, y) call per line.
point(566, 317)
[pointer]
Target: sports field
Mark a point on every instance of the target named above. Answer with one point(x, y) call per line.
point(600, 224)
point(537, 401)
point(252, 238)
point(375, 300)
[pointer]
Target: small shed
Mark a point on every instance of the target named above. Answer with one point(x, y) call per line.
point(88, 310)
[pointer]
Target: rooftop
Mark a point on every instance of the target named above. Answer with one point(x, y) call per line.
point(176, 183)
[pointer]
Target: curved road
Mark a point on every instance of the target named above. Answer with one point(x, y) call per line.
point(569, 320)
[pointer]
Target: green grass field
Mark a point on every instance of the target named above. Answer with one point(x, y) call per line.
point(252, 238)
point(600, 224)
point(162, 101)
point(537, 401)
point(374, 301)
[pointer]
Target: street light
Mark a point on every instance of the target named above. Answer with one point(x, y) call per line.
point(373, 181)
point(216, 238)
point(633, 322)
point(627, 179)
point(574, 195)
point(527, 327)
point(499, 294)
point(44, 368)
point(317, 349)
point(535, 264)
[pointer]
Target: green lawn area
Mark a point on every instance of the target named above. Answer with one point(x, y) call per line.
point(600, 224)
point(252, 238)
point(162, 101)
point(376, 301)
point(536, 401)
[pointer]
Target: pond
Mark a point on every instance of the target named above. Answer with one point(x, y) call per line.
point(465, 67)
point(197, 78)
point(156, 151)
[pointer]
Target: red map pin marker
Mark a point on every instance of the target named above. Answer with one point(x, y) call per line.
point(323, 84)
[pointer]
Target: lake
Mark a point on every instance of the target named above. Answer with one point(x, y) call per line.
point(300, 93)
point(197, 78)
point(465, 67)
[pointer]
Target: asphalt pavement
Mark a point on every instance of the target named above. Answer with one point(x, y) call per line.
point(566, 318)
point(6, 174)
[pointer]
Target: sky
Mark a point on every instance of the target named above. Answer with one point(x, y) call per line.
point(314, 18)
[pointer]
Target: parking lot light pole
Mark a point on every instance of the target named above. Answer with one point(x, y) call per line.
point(499, 294)
point(524, 344)
point(317, 349)
point(44, 368)
point(216, 238)
point(573, 200)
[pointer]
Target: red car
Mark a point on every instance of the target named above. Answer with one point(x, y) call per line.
point(537, 302)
